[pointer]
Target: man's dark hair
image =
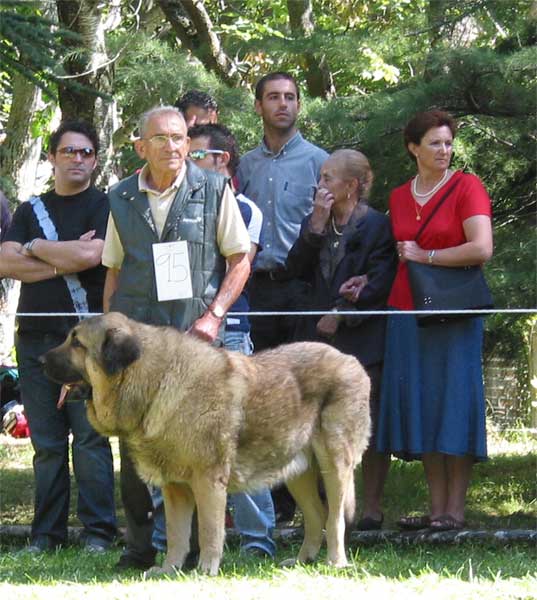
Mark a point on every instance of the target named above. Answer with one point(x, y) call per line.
point(196, 98)
point(220, 138)
point(260, 87)
point(75, 126)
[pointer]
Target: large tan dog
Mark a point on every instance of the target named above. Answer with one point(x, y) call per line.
point(201, 422)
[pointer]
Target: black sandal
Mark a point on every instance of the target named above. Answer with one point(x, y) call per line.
point(414, 523)
point(446, 523)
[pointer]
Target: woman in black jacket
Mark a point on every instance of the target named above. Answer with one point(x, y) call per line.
point(346, 252)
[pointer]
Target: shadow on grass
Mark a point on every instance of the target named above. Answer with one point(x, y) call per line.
point(397, 564)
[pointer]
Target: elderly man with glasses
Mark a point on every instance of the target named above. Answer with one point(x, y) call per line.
point(54, 248)
point(170, 218)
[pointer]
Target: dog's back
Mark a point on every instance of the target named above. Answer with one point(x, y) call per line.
point(304, 400)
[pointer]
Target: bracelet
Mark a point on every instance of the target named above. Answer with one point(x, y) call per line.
point(29, 245)
point(431, 256)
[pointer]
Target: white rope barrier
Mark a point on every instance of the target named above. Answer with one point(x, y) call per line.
point(312, 313)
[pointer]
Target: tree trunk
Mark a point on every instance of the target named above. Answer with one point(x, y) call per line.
point(20, 152)
point(318, 76)
point(194, 28)
point(91, 69)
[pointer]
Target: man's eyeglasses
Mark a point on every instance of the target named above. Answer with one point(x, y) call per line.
point(71, 152)
point(160, 140)
point(201, 154)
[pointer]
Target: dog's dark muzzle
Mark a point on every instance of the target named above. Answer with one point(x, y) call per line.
point(58, 367)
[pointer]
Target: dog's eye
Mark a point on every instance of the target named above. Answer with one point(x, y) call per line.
point(75, 342)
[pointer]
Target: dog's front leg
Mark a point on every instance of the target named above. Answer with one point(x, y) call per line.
point(210, 492)
point(179, 508)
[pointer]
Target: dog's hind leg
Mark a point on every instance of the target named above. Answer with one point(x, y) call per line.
point(179, 508)
point(305, 491)
point(338, 477)
point(210, 492)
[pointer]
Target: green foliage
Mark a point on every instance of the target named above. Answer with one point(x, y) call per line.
point(33, 45)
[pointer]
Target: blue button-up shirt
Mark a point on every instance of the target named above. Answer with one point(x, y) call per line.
point(282, 185)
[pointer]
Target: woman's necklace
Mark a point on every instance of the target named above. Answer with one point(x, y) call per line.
point(335, 244)
point(419, 207)
point(430, 192)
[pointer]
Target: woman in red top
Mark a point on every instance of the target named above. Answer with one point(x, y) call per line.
point(432, 405)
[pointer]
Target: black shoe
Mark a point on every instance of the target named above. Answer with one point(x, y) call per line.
point(40, 544)
point(256, 552)
point(369, 524)
point(128, 560)
point(95, 544)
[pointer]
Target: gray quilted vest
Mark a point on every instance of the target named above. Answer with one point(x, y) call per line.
point(192, 217)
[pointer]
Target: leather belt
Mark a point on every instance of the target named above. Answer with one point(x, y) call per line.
point(273, 275)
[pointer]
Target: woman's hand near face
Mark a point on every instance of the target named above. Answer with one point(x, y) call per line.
point(322, 205)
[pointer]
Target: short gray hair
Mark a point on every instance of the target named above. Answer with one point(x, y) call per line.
point(156, 110)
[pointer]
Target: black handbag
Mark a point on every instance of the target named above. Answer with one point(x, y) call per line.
point(446, 288)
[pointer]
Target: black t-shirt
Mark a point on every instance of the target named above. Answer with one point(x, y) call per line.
point(72, 216)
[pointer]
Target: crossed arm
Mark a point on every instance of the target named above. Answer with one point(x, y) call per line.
point(49, 259)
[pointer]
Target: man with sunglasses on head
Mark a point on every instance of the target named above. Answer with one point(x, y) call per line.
point(54, 248)
point(176, 207)
point(213, 147)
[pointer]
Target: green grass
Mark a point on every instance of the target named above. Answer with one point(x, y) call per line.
point(503, 495)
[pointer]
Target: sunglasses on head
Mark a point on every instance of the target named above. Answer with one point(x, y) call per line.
point(71, 152)
point(201, 154)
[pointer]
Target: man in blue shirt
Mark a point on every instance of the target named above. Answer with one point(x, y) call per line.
point(213, 147)
point(280, 176)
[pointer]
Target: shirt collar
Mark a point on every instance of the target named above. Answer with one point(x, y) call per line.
point(143, 184)
point(294, 141)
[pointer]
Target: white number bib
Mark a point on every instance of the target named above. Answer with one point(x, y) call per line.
point(172, 271)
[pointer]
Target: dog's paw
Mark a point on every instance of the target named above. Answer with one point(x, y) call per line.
point(209, 566)
point(288, 563)
point(156, 572)
point(338, 563)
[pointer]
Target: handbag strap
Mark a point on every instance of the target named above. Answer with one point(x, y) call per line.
point(438, 205)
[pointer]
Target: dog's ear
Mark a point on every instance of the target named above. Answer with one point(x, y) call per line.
point(119, 350)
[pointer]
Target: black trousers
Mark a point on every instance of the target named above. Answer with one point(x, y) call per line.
point(266, 294)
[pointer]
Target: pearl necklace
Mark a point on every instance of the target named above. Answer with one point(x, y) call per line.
point(430, 192)
point(338, 233)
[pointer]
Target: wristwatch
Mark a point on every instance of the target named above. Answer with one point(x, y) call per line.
point(29, 245)
point(217, 311)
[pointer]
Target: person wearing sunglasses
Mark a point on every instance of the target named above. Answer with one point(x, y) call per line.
point(171, 209)
point(214, 148)
point(54, 248)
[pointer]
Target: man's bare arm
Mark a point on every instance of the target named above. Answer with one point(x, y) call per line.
point(16, 265)
point(70, 256)
point(110, 286)
point(206, 327)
